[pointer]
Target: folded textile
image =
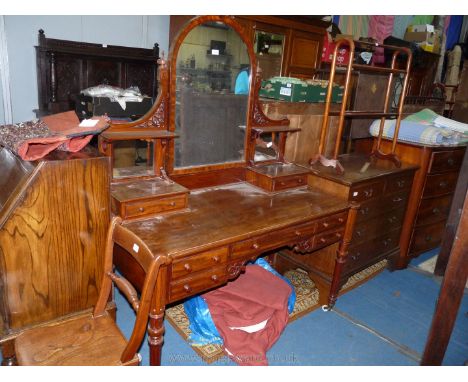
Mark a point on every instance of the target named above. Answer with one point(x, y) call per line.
point(429, 117)
point(257, 300)
point(418, 133)
point(33, 140)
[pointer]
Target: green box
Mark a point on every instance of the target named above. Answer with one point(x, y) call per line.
point(299, 92)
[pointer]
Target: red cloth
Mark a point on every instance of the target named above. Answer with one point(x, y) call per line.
point(255, 296)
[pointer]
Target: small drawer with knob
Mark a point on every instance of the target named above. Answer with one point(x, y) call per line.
point(443, 161)
point(289, 182)
point(440, 184)
point(197, 283)
point(366, 191)
point(199, 262)
point(326, 238)
point(331, 222)
point(154, 206)
point(371, 228)
point(427, 237)
point(399, 183)
point(433, 210)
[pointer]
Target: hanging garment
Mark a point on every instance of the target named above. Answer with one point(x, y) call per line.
point(250, 314)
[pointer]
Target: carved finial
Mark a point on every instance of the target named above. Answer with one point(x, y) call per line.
point(41, 31)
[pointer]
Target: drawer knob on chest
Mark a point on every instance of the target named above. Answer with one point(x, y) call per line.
point(397, 199)
point(358, 233)
point(214, 278)
point(392, 219)
point(401, 183)
point(340, 220)
point(325, 224)
point(386, 242)
point(297, 233)
point(364, 211)
point(255, 246)
point(187, 288)
point(300, 180)
point(215, 259)
point(428, 238)
point(187, 267)
point(368, 193)
point(338, 235)
point(355, 257)
point(436, 211)
point(141, 209)
point(282, 183)
point(172, 204)
point(323, 240)
point(443, 184)
point(450, 161)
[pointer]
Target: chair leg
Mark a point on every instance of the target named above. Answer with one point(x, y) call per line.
point(8, 354)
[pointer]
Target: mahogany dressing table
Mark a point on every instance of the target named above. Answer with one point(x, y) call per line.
point(209, 220)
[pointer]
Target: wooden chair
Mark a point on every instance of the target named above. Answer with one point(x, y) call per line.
point(95, 339)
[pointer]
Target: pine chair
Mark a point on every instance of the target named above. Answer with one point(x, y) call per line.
point(95, 339)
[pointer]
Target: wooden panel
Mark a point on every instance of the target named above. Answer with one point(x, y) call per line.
point(52, 246)
point(371, 228)
point(154, 206)
point(366, 191)
point(398, 183)
point(433, 209)
point(289, 182)
point(379, 206)
point(331, 222)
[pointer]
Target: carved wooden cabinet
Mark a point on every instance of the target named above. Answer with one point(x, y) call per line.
point(430, 198)
point(54, 215)
point(382, 190)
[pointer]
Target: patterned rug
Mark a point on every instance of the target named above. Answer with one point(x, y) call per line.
point(307, 297)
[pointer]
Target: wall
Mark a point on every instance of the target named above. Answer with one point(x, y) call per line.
point(21, 34)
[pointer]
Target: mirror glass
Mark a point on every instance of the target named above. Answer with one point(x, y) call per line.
point(212, 85)
point(269, 53)
point(132, 158)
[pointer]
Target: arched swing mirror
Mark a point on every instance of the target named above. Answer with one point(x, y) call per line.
point(210, 81)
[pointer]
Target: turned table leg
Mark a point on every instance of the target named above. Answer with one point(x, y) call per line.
point(8, 353)
point(156, 319)
point(342, 255)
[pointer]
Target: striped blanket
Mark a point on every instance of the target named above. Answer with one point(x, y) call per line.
point(425, 127)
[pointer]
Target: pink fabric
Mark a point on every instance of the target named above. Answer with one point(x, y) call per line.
point(256, 296)
point(380, 27)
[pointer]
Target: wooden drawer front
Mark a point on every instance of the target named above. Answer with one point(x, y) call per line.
point(433, 210)
point(328, 237)
point(331, 222)
point(362, 255)
point(272, 240)
point(366, 191)
point(440, 184)
point(199, 262)
point(372, 228)
point(153, 206)
point(443, 161)
point(399, 183)
point(197, 283)
point(427, 237)
point(289, 182)
point(382, 205)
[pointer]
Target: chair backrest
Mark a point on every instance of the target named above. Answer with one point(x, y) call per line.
point(118, 234)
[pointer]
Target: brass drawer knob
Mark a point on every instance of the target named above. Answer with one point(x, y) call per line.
point(428, 238)
point(364, 211)
point(323, 240)
point(450, 161)
point(214, 278)
point(187, 267)
point(340, 220)
point(141, 209)
point(297, 233)
point(172, 204)
point(215, 259)
point(187, 288)
point(325, 224)
point(255, 246)
point(443, 184)
point(436, 211)
point(358, 233)
point(282, 184)
point(368, 193)
point(300, 180)
point(338, 235)
point(401, 183)
point(397, 200)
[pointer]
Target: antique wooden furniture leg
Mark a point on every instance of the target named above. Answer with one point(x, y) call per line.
point(342, 256)
point(451, 293)
point(8, 353)
point(156, 320)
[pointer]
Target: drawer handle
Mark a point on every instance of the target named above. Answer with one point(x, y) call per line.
point(392, 219)
point(364, 211)
point(368, 193)
point(323, 240)
point(340, 220)
point(300, 180)
point(215, 259)
point(325, 224)
point(401, 183)
point(172, 204)
point(338, 235)
point(358, 233)
point(450, 161)
point(396, 200)
point(282, 184)
point(428, 238)
point(141, 209)
point(443, 184)
point(187, 288)
point(214, 278)
point(436, 211)
point(355, 257)
point(187, 267)
point(255, 246)
point(297, 233)
point(386, 242)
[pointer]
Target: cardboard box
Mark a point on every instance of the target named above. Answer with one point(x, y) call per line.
point(297, 92)
point(421, 28)
point(425, 36)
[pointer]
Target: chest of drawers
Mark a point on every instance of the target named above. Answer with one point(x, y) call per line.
point(382, 190)
point(430, 197)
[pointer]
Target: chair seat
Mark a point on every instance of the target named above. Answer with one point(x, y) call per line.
point(84, 340)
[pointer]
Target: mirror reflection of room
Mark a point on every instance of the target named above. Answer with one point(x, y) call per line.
point(212, 86)
point(134, 157)
point(269, 53)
